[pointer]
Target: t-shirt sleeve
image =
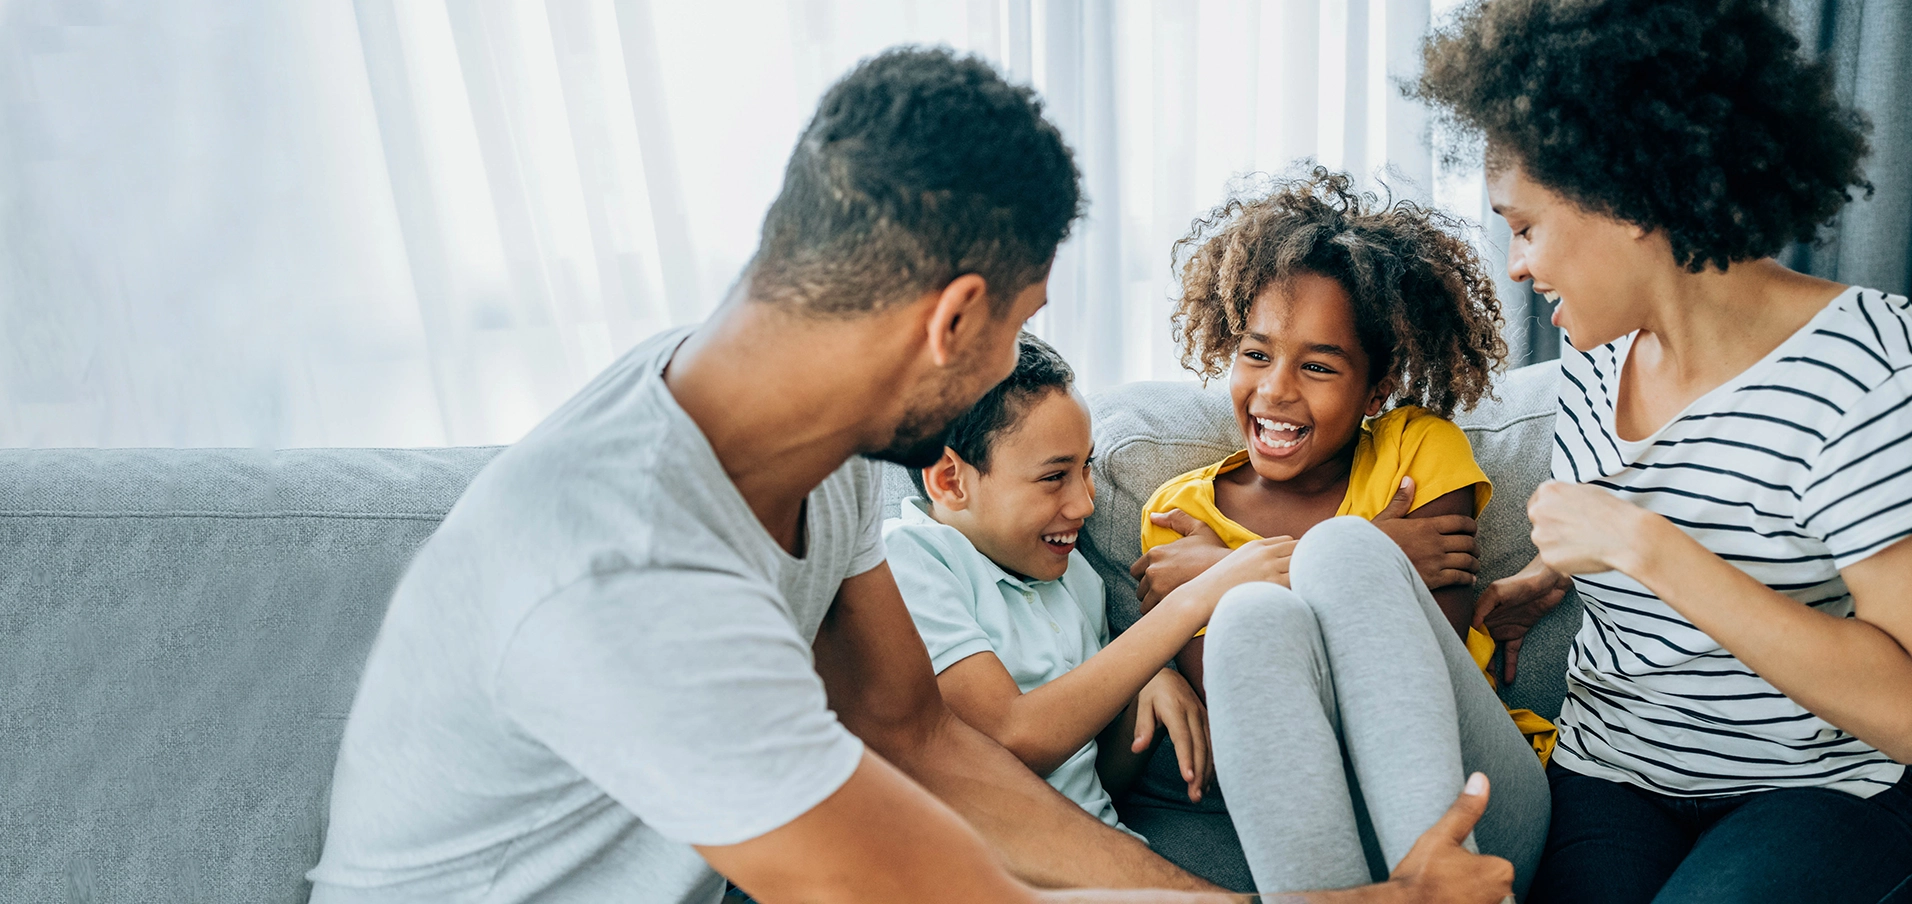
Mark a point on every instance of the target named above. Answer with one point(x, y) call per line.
point(689, 697)
point(1442, 461)
point(941, 602)
point(869, 547)
point(1858, 498)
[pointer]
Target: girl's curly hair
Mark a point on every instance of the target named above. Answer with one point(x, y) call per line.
point(1424, 310)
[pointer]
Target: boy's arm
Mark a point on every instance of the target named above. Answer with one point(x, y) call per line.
point(877, 675)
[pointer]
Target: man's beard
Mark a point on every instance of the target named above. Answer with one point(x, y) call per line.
point(917, 443)
point(918, 440)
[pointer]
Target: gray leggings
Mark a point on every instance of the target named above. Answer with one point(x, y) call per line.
point(1355, 677)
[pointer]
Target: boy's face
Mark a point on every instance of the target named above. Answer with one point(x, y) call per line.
point(1027, 512)
point(1300, 379)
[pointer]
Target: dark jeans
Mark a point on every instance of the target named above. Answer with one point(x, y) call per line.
point(1614, 843)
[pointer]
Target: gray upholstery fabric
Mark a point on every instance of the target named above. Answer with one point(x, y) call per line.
point(181, 633)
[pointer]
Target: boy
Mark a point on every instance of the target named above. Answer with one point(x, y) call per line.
point(1013, 617)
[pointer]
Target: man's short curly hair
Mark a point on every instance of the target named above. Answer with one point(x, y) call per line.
point(1424, 308)
point(920, 166)
point(1700, 119)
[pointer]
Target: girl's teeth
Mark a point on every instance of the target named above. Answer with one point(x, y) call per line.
point(1279, 434)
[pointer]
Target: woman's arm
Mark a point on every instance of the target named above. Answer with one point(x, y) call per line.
point(1852, 672)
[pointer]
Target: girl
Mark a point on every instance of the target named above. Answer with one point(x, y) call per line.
point(1733, 496)
point(1350, 330)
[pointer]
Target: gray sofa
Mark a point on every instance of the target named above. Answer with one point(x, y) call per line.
point(181, 632)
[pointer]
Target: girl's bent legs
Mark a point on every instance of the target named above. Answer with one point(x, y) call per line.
point(1416, 714)
point(1277, 751)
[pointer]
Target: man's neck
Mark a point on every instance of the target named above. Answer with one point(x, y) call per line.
point(783, 401)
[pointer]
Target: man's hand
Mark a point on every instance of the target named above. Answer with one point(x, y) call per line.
point(1442, 548)
point(1167, 700)
point(1438, 868)
point(1510, 607)
point(1164, 568)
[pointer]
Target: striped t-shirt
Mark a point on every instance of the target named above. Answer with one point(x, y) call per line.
point(1798, 467)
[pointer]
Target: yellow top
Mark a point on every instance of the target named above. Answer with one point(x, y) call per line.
point(1408, 441)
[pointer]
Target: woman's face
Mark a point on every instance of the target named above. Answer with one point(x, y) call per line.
point(1595, 269)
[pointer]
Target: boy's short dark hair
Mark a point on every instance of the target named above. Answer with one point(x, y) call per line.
point(920, 166)
point(1039, 370)
point(1697, 118)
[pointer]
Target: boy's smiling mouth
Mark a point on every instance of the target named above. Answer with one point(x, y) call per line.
point(1061, 543)
point(1277, 436)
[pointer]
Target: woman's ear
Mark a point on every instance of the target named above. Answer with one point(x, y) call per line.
point(1383, 391)
point(947, 483)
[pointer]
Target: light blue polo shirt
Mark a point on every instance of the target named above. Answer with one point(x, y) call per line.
point(965, 604)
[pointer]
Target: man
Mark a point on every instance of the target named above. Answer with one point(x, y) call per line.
point(656, 641)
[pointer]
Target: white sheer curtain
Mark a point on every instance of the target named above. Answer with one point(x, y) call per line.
point(417, 222)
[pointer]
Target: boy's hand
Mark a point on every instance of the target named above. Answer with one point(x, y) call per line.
point(1167, 699)
point(1164, 568)
point(1442, 548)
point(1440, 868)
point(1266, 559)
point(1509, 607)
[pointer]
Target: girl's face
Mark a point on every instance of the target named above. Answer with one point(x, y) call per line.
point(1595, 269)
point(1300, 379)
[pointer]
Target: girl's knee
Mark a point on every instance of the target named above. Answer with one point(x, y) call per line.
point(1341, 546)
point(1257, 615)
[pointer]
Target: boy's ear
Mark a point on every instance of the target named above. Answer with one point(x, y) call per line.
point(1383, 391)
point(944, 481)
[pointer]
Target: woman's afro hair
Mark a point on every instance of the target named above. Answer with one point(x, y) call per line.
point(1700, 119)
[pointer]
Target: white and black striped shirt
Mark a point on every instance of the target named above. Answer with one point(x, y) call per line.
point(1798, 467)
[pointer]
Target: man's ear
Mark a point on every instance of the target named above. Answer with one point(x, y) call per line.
point(956, 318)
point(1383, 391)
point(946, 481)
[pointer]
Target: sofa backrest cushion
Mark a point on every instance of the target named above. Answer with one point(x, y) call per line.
point(181, 636)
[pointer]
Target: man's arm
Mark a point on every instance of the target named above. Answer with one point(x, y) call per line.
point(883, 838)
point(878, 677)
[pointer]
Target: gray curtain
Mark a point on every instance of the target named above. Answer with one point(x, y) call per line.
point(1869, 46)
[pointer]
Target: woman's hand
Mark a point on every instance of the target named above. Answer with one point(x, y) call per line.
point(1168, 566)
point(1581, 529)
point(1509, 607)
point(1167, 700)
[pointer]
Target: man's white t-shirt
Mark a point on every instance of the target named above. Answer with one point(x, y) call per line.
point(600, 659)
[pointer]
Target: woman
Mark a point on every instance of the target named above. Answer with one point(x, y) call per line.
point(1732, 496)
